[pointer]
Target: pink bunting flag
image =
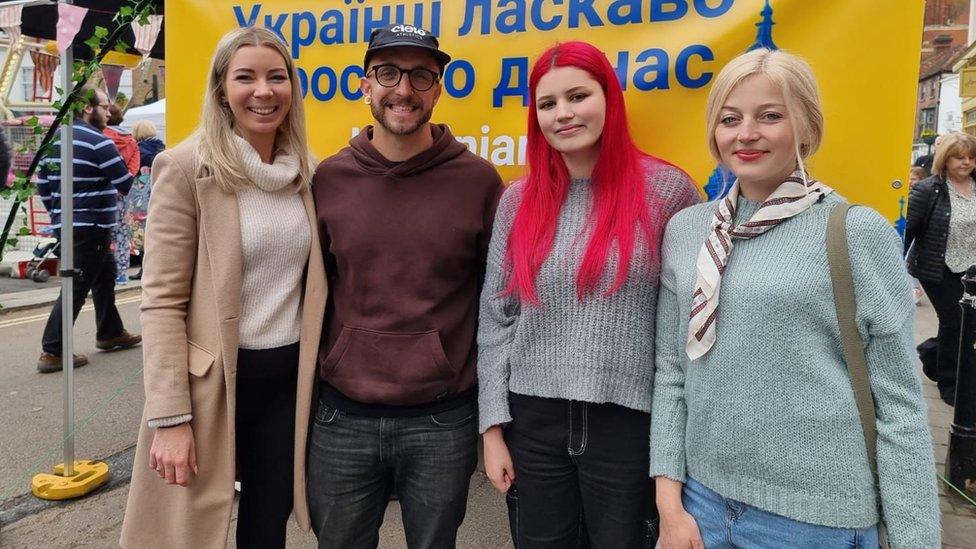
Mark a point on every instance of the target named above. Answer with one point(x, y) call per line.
point(70, 18)
point(113, 76)
point(146, 35)
point(10, 22)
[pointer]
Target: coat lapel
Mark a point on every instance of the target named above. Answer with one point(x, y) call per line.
point(221, 227)
point(313, 313)
point(315, 283)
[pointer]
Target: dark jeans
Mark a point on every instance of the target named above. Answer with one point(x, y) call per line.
point(945, 297)
point(94, 258)
point(355, 462)
point(581, 475)
point(265, 426)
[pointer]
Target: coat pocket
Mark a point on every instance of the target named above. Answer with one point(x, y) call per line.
point(399, 368)
point(199, 360)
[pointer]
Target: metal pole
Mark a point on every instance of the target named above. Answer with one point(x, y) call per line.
point(961, 459)
point(67, 266)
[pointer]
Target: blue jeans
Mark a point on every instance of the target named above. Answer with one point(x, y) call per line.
point(355, 462)
point(726, 524)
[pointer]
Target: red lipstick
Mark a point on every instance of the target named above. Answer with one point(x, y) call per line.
point(749, 155)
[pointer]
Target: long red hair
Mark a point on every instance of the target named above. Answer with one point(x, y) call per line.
point(618, 184)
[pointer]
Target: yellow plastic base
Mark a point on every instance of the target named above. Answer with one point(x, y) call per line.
point(88, 476)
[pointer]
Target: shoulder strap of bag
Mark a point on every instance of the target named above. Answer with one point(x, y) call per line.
point(842, 281)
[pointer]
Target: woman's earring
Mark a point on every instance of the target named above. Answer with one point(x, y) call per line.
point(368, 100)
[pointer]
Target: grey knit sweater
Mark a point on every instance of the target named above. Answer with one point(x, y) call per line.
point(768, 416)
point(600, 350)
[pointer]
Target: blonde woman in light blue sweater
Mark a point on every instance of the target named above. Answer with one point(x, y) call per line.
point(755, 438)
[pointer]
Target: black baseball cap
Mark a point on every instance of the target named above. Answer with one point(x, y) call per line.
point(399, 35)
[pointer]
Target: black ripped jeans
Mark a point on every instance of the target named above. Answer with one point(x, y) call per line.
point(581, 475)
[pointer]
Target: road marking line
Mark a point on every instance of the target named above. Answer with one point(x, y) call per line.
point(86, 308)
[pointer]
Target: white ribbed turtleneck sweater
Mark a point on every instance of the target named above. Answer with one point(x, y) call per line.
point(276, 237)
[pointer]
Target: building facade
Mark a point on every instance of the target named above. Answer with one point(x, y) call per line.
point(932, 72)
point(945, 38)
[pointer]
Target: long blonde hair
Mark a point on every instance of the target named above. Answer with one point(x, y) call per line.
point(799, 86)
point(217, 152)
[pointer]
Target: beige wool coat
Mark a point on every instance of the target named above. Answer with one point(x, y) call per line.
point(191, 302)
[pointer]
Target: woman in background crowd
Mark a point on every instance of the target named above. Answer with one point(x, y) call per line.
point(129, 151)
point(146, 136)
point(915, 175)
point(144, 132)
point(940, 240)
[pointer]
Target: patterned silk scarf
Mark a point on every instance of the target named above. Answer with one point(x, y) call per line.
point(790, 198)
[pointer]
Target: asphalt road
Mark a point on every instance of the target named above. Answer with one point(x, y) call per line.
point(108, 397)
point(12, 285)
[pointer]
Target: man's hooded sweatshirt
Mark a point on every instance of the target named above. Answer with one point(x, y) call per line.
point(405, 245)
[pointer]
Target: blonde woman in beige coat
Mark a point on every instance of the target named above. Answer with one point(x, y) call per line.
point(233, 298)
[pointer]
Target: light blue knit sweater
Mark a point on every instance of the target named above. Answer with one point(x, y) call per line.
point(768, 416)
point(600, 350)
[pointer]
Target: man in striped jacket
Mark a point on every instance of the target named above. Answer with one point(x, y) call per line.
point(99, 174)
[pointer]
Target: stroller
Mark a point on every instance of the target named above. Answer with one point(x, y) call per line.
point(36, 269)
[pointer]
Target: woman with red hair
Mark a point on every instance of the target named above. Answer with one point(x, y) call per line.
point(566, 334)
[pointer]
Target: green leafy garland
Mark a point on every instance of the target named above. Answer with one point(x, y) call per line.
point(101, 42)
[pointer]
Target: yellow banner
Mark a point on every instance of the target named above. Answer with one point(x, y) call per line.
point(666, 52)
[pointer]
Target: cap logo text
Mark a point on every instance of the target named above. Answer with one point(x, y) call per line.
point(409, 28)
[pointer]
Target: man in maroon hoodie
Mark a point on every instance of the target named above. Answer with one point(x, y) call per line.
point(405, 216)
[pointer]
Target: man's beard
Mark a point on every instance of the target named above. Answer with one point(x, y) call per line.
point(379, 113)
point(98, 122)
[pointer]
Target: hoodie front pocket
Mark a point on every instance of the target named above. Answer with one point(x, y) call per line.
point(398, 368)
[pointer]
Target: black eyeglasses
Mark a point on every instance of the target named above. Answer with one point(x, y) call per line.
point(389, 76)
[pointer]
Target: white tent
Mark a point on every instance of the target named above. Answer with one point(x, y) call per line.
point(154, 112)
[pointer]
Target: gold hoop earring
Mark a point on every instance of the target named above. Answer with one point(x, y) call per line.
point(368, 100)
